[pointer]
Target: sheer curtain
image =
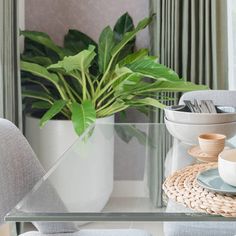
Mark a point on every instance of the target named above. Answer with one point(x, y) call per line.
point(10, 89)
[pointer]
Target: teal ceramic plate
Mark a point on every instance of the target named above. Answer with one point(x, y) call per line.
point(210, 179)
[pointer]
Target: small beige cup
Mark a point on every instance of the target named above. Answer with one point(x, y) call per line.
point(212, 144)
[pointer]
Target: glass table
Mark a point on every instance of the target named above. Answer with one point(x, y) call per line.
point(111, 173)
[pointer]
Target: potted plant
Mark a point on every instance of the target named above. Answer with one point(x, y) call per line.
point(69, 88)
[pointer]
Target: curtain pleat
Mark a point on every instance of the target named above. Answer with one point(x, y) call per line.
point(10, 88)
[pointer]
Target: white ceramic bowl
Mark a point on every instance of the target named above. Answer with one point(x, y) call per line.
point(199, 118)
point(188, 133)
point(227, 166)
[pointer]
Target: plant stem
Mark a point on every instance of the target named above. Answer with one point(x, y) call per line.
point(109, 111)
point(98, 94)
point(61, 92)
point(104, 98)
point(40, 98)
point(40, 84)
point(83, 85)
point(107, 104)
point(91, 84)
point(65, 114)
point(63, 95)
point(84, 88)
point(76, 77)
point(75, 93)
point(105, 74)
point(66, 87)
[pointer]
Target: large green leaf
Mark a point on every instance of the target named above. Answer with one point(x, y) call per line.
point(150, 68)
point(39, 71)
point(160, 86)
point(106, 43)
point(131, 58)
point(44, 39)
point(41, 60)
point(128, 79)
point(41, 105)
point(32, 48)
point(130, 35)
point(123, 25)
point(81, 61)
point(83, 115)
point(37, 95)
point(77, 41)
point(54, 110)
point(126, 50)
point(27, 82)
point(178, 86)
point(146, 102)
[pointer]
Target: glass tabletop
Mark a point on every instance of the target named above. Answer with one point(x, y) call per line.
point(113, 172)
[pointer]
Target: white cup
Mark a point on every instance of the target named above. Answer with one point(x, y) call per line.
point(227, 166)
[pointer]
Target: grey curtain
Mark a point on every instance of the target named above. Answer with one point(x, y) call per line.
point(190, 36)
point(10, 92)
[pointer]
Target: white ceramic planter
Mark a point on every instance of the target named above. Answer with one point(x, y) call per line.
point(84, 178)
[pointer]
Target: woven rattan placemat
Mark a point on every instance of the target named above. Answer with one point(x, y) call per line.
point(183, 188)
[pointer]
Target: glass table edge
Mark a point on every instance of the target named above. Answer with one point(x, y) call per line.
point(18, 216)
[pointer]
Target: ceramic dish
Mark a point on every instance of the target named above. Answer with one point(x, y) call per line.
point(195, 151)
point(227, 166)
point(181, 114)
point(188, 133)
point(210, 179)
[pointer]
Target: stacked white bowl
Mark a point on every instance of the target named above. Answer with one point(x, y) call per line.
point(187, 126)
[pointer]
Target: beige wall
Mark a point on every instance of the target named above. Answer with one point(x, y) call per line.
point(90, 16)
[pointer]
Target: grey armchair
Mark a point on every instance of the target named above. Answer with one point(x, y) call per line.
point(219, 97)
point(20, 171)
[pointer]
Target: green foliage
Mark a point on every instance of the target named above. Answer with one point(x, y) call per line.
point(44, 40)
point(84, 80)
point(81, 61)
point(40, 71)
point(83, 115)
point(56, 107)
point(76, 41)
point(123, 25)
point(106, 44)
